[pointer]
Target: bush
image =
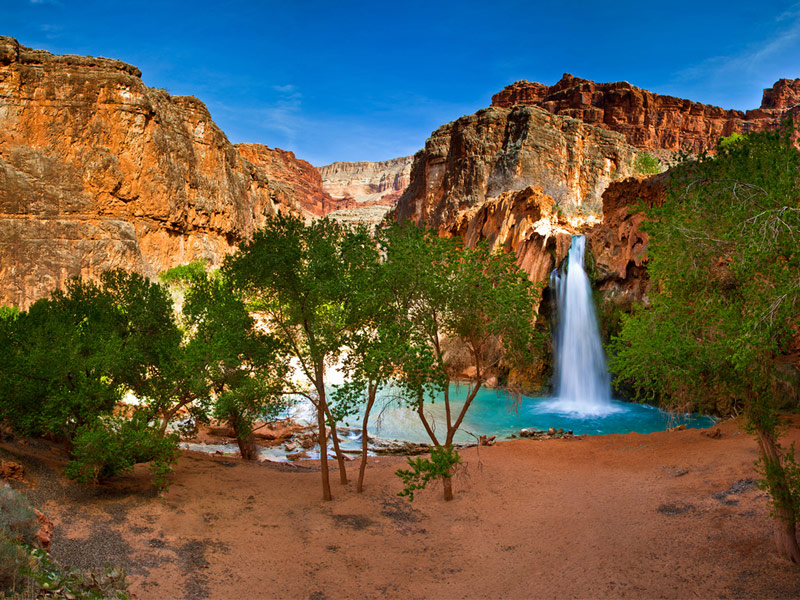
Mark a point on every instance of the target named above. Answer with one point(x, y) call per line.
point(114, 445)
point(647, 164)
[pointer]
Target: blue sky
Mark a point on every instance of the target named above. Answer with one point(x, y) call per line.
point(371, 80)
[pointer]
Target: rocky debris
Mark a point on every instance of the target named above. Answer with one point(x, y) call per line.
point(680, 427)
point(652, 121)
point(714, 433)
point(383, 446)
point(739, 487)
point(99, 171)
point(293, 181)
point(11, 471)
point(487, 441)
point(45, 532)
point(675, 508)
point(366, 183)
point(551, 433)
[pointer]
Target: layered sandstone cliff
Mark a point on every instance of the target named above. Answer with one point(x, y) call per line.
point(293, 181)
point(652, 121)
point(376, 183)
point(498, 150)
point(99, 171)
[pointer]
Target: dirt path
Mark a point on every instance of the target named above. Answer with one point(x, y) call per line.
point(671, 515)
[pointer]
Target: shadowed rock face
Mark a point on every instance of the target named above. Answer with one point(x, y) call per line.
point(99, 171)
point(652, 121)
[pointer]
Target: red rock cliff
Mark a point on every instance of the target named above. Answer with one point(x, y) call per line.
point(292, 180)
point(499, 150)
point(99, 171)
point(652, 121)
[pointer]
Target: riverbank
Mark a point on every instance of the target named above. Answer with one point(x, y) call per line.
point(670, 514)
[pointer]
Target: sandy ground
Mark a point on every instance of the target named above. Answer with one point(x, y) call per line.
point(665, 515)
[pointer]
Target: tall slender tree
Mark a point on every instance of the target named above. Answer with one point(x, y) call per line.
point(303, 279)
point(450, 296)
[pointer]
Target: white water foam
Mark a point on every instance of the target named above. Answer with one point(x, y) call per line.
point(582, 385)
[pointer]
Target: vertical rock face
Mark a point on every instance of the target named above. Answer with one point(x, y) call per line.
point(293, 181)
point(499, 150)
point(376, 183)
point(99, 171)
point(652, 121)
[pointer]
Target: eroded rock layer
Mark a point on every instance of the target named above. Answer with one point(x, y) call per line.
point(293, 181)
point(498, 150)
point(99, 171)
point(376, 183)
point(652, 121)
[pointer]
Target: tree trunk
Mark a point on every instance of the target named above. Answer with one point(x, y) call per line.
point(372, 390)
point(785, 523)
point(337, 450)
point(322, 408)
point(447, 485)
point(244, 438)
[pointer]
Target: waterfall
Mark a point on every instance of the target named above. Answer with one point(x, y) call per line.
point(582, 385)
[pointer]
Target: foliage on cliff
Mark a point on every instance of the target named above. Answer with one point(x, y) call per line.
point(724, 265)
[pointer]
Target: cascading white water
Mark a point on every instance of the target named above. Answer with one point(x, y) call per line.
point(582, 385)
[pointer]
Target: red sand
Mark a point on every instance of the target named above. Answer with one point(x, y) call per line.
point(600, 517)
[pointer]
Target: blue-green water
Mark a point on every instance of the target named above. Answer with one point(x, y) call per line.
point(494, 412)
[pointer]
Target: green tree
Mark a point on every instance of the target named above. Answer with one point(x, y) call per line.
point(724, 265)
point(303, 280)
point(67, 362)
point(245, 369)
point(448, 296)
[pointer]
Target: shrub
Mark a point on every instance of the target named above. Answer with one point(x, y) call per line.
point(114, 445)
point(647, 164)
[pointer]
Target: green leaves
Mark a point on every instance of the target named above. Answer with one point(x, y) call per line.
point(724, 266)
point(440, 464)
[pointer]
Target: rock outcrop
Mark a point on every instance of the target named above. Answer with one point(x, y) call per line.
point(652, 121)
point(498, 150)
point(618, 245)
point(293, 181)
point(99, 171)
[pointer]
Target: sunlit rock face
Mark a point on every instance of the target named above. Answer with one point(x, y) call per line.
point(376, 183)
point(652, 121)
point(293, 181)
point(498, 150)
point(99, 171)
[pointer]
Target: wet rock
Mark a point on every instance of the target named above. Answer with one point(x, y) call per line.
point(298, 456)
point(290, 446)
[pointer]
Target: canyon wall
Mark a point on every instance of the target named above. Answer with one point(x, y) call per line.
point(377, 183)
point(99, 171)
point(293, 181)
point(652, 121)
point(498, 150)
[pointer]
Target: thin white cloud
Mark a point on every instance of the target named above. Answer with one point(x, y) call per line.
point(751, 62)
